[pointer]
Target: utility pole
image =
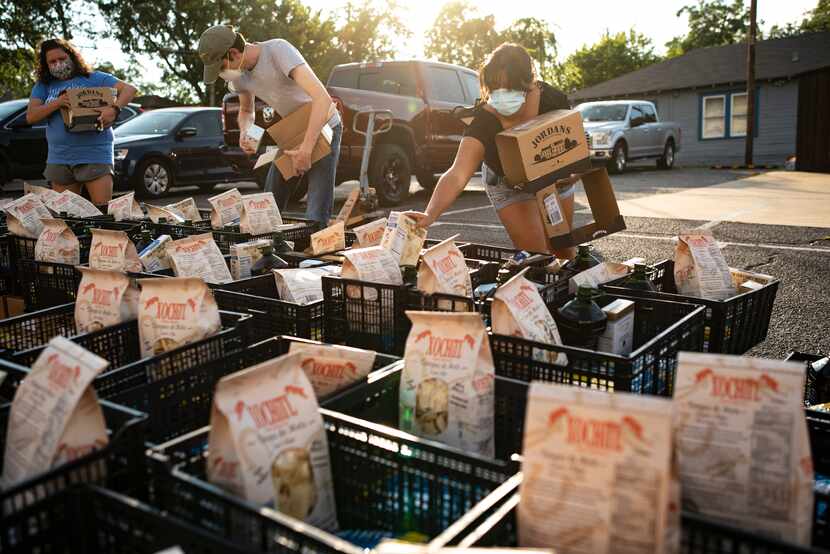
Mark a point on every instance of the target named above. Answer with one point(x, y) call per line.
point(750, 81)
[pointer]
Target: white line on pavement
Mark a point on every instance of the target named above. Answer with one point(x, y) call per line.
point(465, 210)
point(653, 237)
point(713, 223)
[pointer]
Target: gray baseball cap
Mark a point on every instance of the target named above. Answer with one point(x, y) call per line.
point(213, 45)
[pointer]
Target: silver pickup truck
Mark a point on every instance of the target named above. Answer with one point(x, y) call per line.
point(620, 131)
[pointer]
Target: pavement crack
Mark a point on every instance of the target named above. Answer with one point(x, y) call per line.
point(770, 259)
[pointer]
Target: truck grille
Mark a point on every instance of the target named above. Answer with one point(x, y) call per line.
point(588, 139)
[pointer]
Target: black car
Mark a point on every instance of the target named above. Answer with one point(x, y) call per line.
point(172, 147)
point(23, 147)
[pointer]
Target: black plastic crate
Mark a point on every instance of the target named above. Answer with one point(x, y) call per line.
point(119, 344)
point(270, 316)
point(86, 519)
point(816, 387)
point(661, 330)
point(120, 466)
point(301, 237)
point(384, 480)
point(46, 284)
point(492, 253)
point(378, 402)
point(373, 315)
point(8, 270)
point(733, 326)
point(699, 535)
point(24, 336)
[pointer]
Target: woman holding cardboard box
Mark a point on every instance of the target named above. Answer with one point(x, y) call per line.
point(75, 159)
point(512, 96)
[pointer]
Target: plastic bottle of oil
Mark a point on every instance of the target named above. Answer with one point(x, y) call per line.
point(581, 321)
point(584, 259)
point(639, 280)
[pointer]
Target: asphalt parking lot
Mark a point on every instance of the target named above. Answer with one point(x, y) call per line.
point(799, 256)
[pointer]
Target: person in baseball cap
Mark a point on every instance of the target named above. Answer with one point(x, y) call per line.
point(275, 72)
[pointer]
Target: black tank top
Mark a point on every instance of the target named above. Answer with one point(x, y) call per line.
point(485, 125)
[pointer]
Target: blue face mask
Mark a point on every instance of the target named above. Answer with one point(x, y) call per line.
point(507, 102)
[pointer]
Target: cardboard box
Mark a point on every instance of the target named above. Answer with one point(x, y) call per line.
point(601, 200)
point(86, 106)
point(550, 146)
point(11, 306)
point(288, 134)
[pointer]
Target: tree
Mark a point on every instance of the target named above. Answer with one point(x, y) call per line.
point(366, 32)
point(460, 38)
point(815, 20)
point(23, 24)
point(167, 30)
point(535, 35)
point(612, 56)
point(711, 23)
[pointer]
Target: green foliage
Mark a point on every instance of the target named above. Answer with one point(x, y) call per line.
point(461, 38)
point(612, 56)
point(814, 21)
point(365, 33)
point(711, 23)
point(16, 73)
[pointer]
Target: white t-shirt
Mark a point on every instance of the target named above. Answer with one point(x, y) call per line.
point(270, 79)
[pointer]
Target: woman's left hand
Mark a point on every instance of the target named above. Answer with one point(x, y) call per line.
point(107, 117)
point(421, 219)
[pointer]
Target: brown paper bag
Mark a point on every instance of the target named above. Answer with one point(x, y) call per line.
point(187, 209)
point(43, 193)
point(198, 256)
point(174, 312)
point(105, 298)
point(331, 368)
point(447, 385)
point(24, 215)
point(700, 268)
point(597, 471)
point(156, 213)
point(125, 208)
point(328, 240)
point(742, 443)
point(113, 250)
point(519, 311)
point(259, 214)
point(57, 244)
point(371, 233)
point(403, 238)
point(444, 270)
point(73, 204)
point(225, 208)
point(267, 442)
point(55, 416)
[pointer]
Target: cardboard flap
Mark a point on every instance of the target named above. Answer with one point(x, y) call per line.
point(286, 130)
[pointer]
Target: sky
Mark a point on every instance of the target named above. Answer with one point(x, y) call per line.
point(573, 28)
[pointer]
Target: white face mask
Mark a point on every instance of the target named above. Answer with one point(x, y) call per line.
point(233, 74)
point(507, 102)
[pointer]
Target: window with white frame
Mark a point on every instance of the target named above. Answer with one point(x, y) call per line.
point(737, 115)
point(714, 116)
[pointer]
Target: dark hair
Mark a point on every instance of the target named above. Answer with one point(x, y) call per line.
point(81, 68)
point(238, 43)
point(509, 60)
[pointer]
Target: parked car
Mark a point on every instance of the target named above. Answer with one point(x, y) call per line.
point(620, 131)
point(23, 147)
point(171, 147)
point(424, 136)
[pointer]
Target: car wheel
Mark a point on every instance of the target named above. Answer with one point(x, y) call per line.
point(619, 159)
point(207, 187)
point(427, 180)
point(390, 174)
point(154, 178)
point(666, 161)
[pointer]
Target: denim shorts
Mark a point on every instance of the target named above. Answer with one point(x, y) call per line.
point(502, 195)
point(64, 174)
